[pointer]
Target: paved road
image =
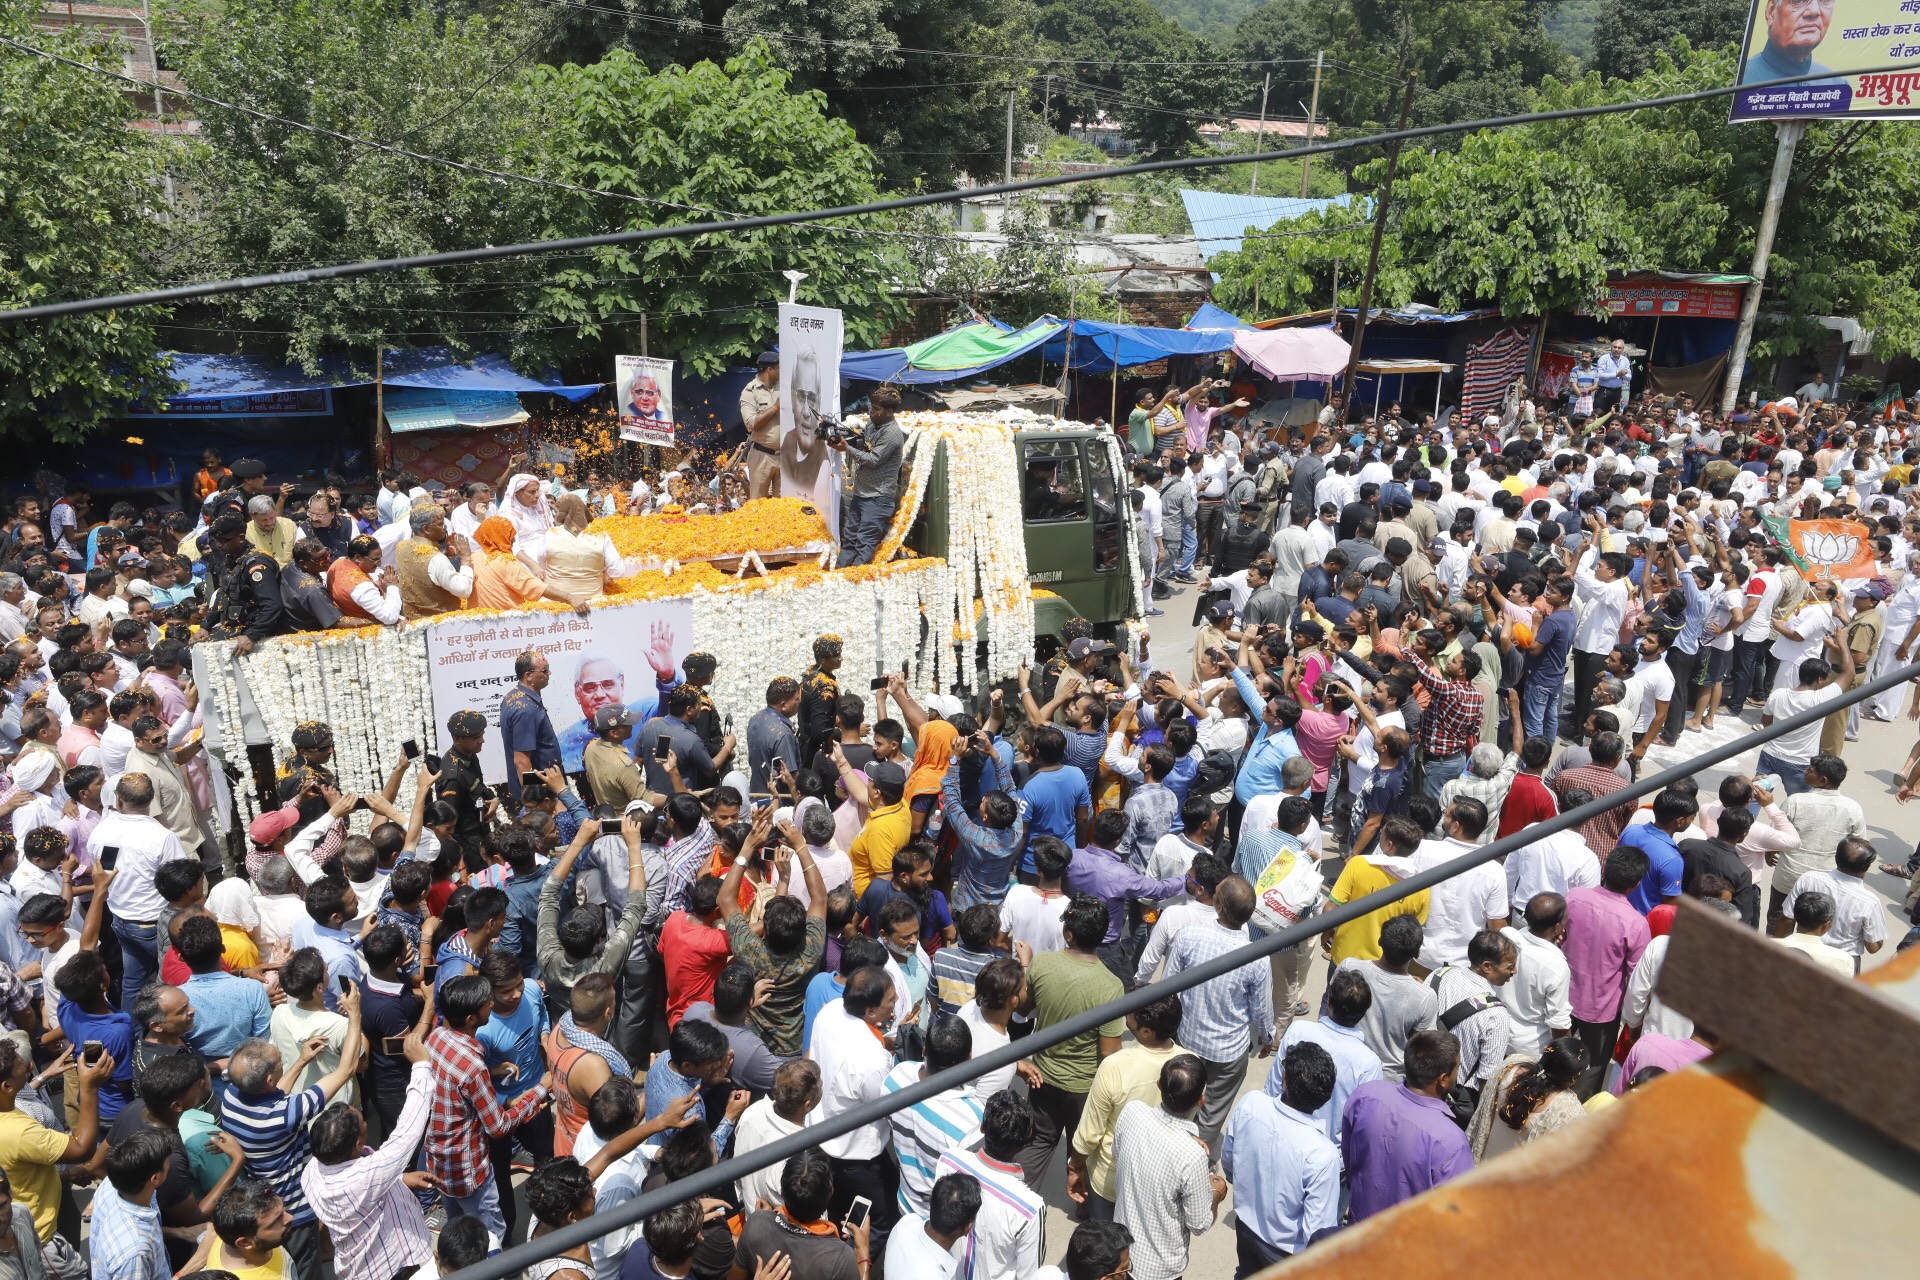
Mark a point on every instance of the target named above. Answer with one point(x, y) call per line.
point(1875, 762)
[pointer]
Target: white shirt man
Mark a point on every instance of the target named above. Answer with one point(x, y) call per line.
point(1009, 1235)
point(1603, 604)
point(853, 1065)
point(144, 844)
point(1812, 622)
point(1459, 907)
point(1551, 864)
point(1536, 996)
point(1858, 917)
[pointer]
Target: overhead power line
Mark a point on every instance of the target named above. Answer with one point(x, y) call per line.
point(487, 253)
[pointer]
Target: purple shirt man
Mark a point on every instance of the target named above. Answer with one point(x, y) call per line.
point(1107, 876)
point(1605, 938)
point(1396, 1143)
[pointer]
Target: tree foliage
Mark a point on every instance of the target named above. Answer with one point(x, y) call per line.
point(1475, 57)
point(1292, 268)
point(1532, 219)
point(1127, 59)
point(1630, 34)
point(1030, 273)
point(732, 139)
point(78, 218)
point(616, 145)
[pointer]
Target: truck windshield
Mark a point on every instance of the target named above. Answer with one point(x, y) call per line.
point(1053, 487)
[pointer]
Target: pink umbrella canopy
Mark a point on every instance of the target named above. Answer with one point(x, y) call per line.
point(1294, 355)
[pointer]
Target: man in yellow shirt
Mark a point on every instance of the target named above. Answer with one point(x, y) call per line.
point(1365, 874)
point(252, 1224)
point(1134, 1072)
point(889, 826)
point(269, 531)
point(30, 1153)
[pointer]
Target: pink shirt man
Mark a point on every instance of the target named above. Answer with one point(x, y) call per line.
point(1605, 938)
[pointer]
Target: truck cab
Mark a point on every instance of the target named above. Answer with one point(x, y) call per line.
point(1078, 520)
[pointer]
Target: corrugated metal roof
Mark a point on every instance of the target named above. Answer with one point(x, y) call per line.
point(1219, 219)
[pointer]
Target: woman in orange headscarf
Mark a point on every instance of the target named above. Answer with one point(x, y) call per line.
point(931, 756)
point(500, 579)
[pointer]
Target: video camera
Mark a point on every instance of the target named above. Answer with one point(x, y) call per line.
point(835, 431)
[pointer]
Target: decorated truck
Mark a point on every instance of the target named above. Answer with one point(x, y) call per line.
point(1009, 524)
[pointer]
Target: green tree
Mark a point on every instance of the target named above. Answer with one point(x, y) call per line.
point(1629, 34)
point(273, 196)
point(78, 197)
point(1131, 62)
point(1475, 57)
point(733, 139)
point(1292, 267)
point(1028, 274)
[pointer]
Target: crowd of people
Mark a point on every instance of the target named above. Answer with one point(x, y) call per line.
point(388, 1033)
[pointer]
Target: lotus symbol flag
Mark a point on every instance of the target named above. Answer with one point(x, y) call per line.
point(1829, 548)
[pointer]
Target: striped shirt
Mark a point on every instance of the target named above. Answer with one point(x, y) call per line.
point(126, 1243)
point(271, 1129)
point(954, 971)
point(945, 1122)
point(377, 1225)
point(1222, 1018)
point(1009, 1235)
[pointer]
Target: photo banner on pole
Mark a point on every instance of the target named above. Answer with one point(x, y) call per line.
point(811, 340)
point(643, 388)
point(612, 656)
point(1805, 37)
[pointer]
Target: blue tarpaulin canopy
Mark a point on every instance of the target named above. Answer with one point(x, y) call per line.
point(1212, 317)
point(217, 377)
point(1101, 348)
point(931, 360)
point(1221, 220)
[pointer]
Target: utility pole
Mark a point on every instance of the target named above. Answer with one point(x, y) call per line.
point(1789, 133)
point(643, 334)
point(1266, 84)
point(1379, 230)
point(1007, 199)
point(1046, 104)
point(1313, 113)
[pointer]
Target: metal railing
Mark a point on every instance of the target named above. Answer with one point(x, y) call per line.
point(511, 1262)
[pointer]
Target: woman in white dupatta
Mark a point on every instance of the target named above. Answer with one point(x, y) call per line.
point(525, 505)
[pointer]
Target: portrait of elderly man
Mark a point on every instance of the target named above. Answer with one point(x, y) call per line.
point(643, 399)
point(1794, 29)
point(600, 682)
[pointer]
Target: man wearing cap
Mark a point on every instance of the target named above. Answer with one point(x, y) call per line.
point(612, 775)
point(819, 695)
point(1863, 632)
point(462, 781)
point(760, 415)
point(526, 731)
point(246, 604)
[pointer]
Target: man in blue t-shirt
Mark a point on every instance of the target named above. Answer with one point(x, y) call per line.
point(1547, 664)
point(1057, 800)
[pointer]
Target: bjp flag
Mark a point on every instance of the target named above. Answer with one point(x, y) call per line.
point(1826, 550)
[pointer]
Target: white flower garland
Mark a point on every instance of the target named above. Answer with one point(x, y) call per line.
point(923, 616)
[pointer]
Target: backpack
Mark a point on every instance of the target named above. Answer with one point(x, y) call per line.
point(1215, 772)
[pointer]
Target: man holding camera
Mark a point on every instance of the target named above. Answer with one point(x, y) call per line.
point(876, 484)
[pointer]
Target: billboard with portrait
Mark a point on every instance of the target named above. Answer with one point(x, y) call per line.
point(810, 343)
point(1872, 38)
point(643, 388)
point(610, 657)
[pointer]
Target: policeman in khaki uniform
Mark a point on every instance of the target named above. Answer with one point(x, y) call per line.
point(760, 414)
point(247, 604)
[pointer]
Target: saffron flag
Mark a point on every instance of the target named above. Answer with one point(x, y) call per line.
point(1826, 550)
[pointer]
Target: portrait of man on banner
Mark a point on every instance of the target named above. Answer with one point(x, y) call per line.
point(810, 345)
point(643, 390)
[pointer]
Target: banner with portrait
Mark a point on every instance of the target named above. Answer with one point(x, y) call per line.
point(643, 389)
point(610, 657)
point(1807, 37)
point(811, 340)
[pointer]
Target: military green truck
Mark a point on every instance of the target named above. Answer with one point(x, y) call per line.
point(1079, 526)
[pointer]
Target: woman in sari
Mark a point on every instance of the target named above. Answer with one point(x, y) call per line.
point(501, 580)
point(932, 753)
point(1529, 1100)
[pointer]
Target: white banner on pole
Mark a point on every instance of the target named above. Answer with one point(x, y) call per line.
point(643, 388)
point(611, 656)
point(811, 339)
